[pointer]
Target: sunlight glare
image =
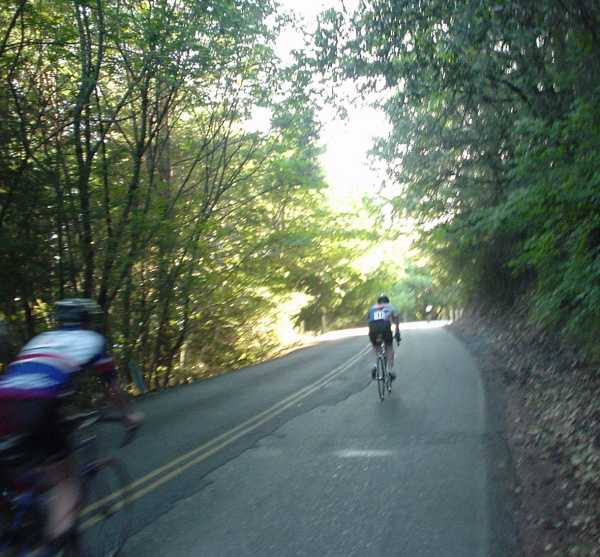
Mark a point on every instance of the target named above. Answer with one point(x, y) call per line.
point(260, 121)
point(348, 171)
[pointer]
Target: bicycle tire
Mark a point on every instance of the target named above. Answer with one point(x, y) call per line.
point(6, 519)
point(105, 522)
point(381, 374)
point(20, 529)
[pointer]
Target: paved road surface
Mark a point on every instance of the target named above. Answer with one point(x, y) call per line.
point(297, 457)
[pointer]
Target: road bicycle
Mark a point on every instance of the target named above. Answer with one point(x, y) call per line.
point(104, 522)
point(383, 377)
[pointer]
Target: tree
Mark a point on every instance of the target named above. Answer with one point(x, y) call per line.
point(127, 173)
point(493, 109)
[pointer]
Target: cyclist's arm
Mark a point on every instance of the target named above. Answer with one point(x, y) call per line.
point(122, 403)
point(106, 369)
point(395, 318)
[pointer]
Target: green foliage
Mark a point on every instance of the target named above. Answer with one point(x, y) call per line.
point(494, 141)
point(559, 218)
point(411, 290)
point(127, 173)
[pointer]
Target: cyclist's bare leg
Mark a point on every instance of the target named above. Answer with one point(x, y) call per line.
point(376, 349)
point(389, 356)
point(64, 497)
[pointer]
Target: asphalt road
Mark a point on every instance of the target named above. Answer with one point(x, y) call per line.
point(298, 457)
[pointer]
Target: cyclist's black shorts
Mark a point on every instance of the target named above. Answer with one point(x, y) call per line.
point(45, 437)
point(381, 329)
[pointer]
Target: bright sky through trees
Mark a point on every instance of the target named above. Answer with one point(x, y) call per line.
point(346, 141)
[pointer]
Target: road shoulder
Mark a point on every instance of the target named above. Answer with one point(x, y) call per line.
point(537, 395)
point(505, 541)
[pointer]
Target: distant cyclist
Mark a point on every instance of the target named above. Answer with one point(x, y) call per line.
point(380, 318)
point(32, 396)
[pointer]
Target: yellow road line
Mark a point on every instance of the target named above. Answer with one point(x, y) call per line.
point(211, 447)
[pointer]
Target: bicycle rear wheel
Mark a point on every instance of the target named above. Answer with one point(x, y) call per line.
point(105, 521)
point(381, 375)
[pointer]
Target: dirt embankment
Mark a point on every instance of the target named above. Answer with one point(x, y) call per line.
point(553, 429)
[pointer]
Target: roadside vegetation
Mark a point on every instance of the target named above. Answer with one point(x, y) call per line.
point(133, 169)
point(130, 171)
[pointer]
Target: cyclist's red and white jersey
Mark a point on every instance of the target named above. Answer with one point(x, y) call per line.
point(46, 364)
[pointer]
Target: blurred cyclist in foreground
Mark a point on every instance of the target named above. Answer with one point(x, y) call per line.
point(380, 318)
point(32, 396)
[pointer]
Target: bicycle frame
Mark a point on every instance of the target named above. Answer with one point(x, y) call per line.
point(23, 507)
point(382, 375)
point(18, 508)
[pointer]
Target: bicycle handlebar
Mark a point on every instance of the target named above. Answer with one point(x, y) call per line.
point(130, 430)
point(130, 433)
point(84, 420)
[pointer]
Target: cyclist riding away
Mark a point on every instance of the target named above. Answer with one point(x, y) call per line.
point(380, 318)
point(32, 399)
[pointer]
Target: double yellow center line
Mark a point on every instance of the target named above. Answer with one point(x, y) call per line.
point(177, 466)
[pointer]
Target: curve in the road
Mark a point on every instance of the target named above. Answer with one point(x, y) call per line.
point(179, 465)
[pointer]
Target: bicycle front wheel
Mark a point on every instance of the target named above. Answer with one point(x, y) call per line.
point(6, 533)
point(21, 525)
point(381, 375)
point(106, 516)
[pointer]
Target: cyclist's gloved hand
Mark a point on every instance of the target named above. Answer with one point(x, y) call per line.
point(133, 420)
point(397, 337)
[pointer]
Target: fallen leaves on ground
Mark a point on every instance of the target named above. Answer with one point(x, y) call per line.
point(553, 429)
